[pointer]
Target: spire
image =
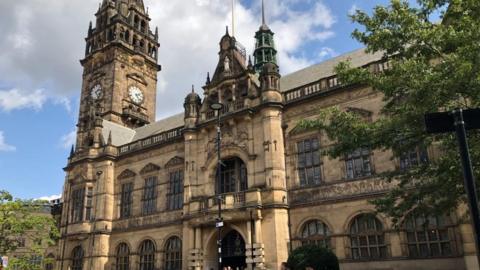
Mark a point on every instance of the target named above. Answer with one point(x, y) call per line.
point(109, 141)
point(208, 78)
point(263, 12)
point(72, 151)
point(226, 32)
point(193, 89)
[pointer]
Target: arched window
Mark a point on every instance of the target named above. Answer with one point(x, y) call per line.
point(367, 238)
point(428, 236)
point(147, 255)
point(317, 233)
point(77, 258)
point(127, 36)
point(49, 262)
point(123, 257)
point(233, 176)
point(173, 254)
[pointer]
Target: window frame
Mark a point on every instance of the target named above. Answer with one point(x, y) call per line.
point(149, 197)
point(175, 189)
point(364, 155)
point(78, 255)
point(419, 154)
point(173, 253)
point(304, 168)
point(122, 257)
point(229, 175)
point(439, 230)
point(147, 256)
point(78, 204)
point(321, 239)
point(361, 240)
point(126, 200)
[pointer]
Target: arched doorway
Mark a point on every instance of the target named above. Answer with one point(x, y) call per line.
point(233, 251)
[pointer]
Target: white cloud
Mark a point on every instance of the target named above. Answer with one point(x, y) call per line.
point(4, 147)
point(14, 99)
point(45, 41)
point(68, 140)
point(326, 53)
point(353, 9)
point(50, 198)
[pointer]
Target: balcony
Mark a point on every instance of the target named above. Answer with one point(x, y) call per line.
point(230, 201)
point(135, 115)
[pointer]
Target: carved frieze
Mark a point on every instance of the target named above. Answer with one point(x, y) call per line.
point(340, 190)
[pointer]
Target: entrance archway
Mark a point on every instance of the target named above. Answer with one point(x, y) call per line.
point(233, 251)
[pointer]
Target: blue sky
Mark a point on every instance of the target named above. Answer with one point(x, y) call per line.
point(40, 76)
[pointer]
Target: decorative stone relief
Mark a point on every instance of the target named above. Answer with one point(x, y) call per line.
point(340, 190)
point(150, 168)
point(126, 174)
point(175, 161)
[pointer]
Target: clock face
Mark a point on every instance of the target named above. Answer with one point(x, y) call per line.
point(96, 92)
point(135, 94)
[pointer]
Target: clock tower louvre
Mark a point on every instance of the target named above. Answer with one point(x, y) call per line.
point(120, 69)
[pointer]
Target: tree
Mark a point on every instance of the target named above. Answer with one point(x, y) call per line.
point(312, 256)
point(433, 66)
point(21, 221)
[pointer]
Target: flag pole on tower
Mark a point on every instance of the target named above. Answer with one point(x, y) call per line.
point(233, 18)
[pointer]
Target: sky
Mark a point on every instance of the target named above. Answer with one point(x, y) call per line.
point(40, 74)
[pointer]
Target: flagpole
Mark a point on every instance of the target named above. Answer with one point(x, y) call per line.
point(233, 18)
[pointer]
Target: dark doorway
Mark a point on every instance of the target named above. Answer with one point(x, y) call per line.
point(233, 251)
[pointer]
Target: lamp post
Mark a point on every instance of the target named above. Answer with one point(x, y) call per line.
point(217, 107)
point(459, 121)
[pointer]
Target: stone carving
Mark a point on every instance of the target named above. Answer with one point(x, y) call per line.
point(126, 174)
point(229, 140)
point(175, 161)
point(150, 168)
point(340, 190)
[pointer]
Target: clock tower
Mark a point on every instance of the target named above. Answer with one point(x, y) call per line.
point(120, 69)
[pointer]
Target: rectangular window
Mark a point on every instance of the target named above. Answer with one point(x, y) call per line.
point(175, 191)
point(309, 163)
point(413, 158)
point(358, 164)
point(77, 205)
point(126, 200)
point(89, 204)
point(150, 196)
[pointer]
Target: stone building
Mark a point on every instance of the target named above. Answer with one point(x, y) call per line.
point(143, 194)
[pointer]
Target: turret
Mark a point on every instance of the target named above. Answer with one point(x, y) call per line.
point(192, 109)
point(270, 83)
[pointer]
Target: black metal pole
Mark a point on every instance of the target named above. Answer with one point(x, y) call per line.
point(469, 179)
point(219, 198)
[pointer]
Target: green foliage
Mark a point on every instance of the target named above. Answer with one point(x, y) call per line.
point(312, 256)
point(23, 221)
point(435, 66)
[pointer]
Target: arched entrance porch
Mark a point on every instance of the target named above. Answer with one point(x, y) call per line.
point(233, 251)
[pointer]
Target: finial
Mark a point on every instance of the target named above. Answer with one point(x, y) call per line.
point(193, 88)
point(72, 151)
point(263, 12)
point(226, 33)
point(90, 28)
point(156, 32)
point(109, 142)
point(208, 78)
